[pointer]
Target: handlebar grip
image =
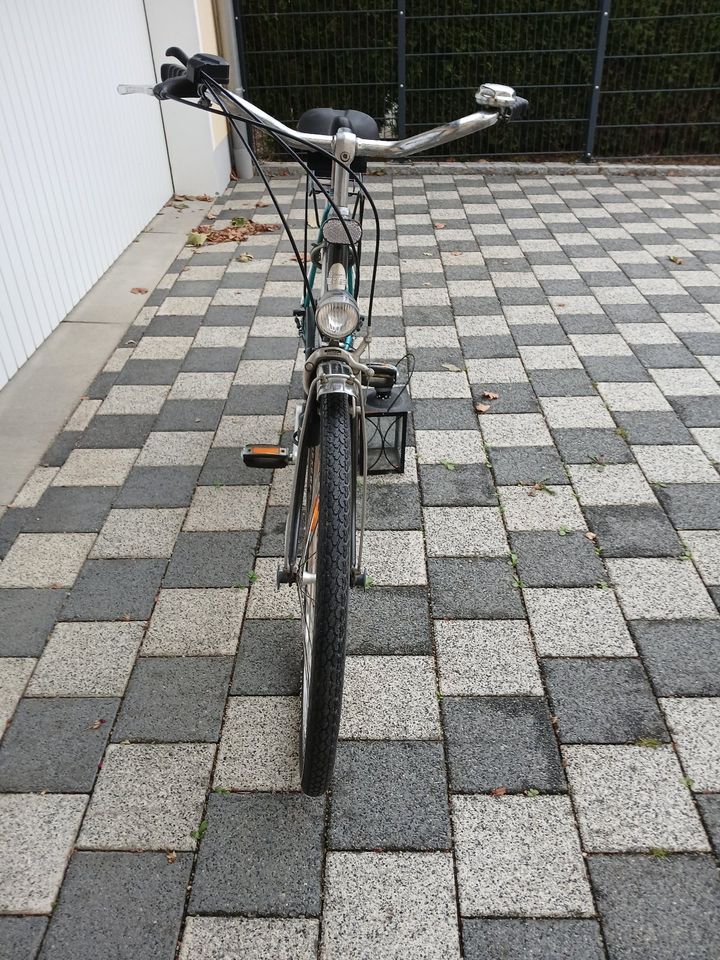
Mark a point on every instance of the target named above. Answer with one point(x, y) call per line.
point(178, 54)
point(175, 87)
point(519, 109)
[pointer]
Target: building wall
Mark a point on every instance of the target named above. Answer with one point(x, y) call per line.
point(82, 170)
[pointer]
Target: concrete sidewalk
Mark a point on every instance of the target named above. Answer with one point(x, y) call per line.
point(529, 762)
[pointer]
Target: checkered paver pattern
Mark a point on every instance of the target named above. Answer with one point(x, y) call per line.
point(529, 763)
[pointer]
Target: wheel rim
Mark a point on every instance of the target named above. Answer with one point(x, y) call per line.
point(307, 583)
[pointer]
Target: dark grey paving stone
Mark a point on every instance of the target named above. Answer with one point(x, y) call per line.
point(190, 415)
point(561, 383)
point(691, 506)
point(212, 359)
point(548, 560)
point(114, 590)
point(659, 355)
point(615, 369)
point(59, 450)
point(513, 465)
point(119, 906)
point(634, 531)
point(26, 619)
point(229, 316)
point(514, 939)
point(591, 446)
point(100, 387)
point(435, 358)
point(501, 742)
point(511, 397)
point(158, 487)
point(697, 411)
point(261, 855)
point(682, 657)
point(602, 701)
point(394, 507)
point(389, 620)
point(473, 589)
point(653, 428)
point(539, 334)
point(52, 745)
point(478, 348)
point(587, 323)
point(710, 811)
point(269, 659)
point(444, 415)
point(468, 485)
point(71, 509)
point(211, 560)
point(702, 344)
point(225, 466)
point(149, 371)
point(659, 907)
point(194, 288)
point(271, 348)
point(117, 431)
point(245, 399)
point(272, 538)
point(12, 523)
point(169, 326)
point(20, 937)
point(174, 700)
point(389, 796)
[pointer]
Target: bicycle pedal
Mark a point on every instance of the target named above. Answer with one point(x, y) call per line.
point(265, 457)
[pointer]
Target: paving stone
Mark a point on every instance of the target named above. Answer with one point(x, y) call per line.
point(561, 939)
point(227, 508)
point(200, 415)
point(515, 430)
point(45, 559)
point(174, 700)
point(474, 589)
point(695, 725)
point(466, 485)
point(261, 854)
point(20, 937)
point(682, 657)
point(267, 601)
point(148, 797)
point(137, 372)
point(561, 383)
point(61, 447)
point(224, 466)
point(158, 487)
point(676, 464)
point(36, 484)
point(632, 798)
point(445, 414)
point(71, 510)
point(449, 446)
point(464, 531)
point(592, 446)
point(117, 431)
point(195, 622)
point(134, 399)
point(549, 560)
point(697, 411)
point(660, 589)
point(37, 833)
point(660, 907)
point(519, 856)
point(577, 622)
point(704, 545)
point(259, 749)
point(603, 701)
point(87, 660)
point(245, 938)
point(147, 894)
point(114, 590)
point(179, 448)
point(416, 890)
point(390, 698)
point(394, 509)
point(527, 465)
point(388, 620)
point(486, 657)
point(640, 531)
point(139, 533)
point(542, 509)
point(55, 744)
point(222, 559)
point(525, 757)
point(605, 485)
point(86, 468)
point(710, 811)
point(249, 399)
point(26, 619)
point(14, 675)
point(395, 558)
point(691, 506)
point(389, 795)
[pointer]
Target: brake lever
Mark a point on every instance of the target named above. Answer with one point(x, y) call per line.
point(178, 54)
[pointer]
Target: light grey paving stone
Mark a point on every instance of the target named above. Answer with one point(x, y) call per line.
point(633, 397)
point(162, 348)
point(560, 939)
point(247, 938)
point(175, 448)
point(464, 532)
point(450, 446)
point(632, 798)
point(390, 698)
point(148, 797)
point(515, 430)
point(87, 660)
point(259, 748)
point(548, 508)
point(519, 856)
point(445, 385)
point(395, 558)
point(608, 484)
point(676, 464)
point(704, 545)
point(37, 833)
point(139, 533)
point(576, 412)
point(685, 383)
point(695, 725)
point(390, 905)
point(201, 386)
point(147, 398)
point(96, 468)
point(195, 623)
point(227, 508)
point(45, 559)
point(265, 601)
point(14, 675)
point(660, 589)
point(486, 658)
point(38, 482)
point(577, 622)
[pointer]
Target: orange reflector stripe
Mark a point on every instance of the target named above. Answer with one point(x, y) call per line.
point(265, 450)
point(315, 514)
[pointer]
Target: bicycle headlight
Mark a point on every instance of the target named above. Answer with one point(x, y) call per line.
point(337, 315)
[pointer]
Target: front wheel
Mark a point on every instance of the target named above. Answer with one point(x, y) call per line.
point(324, 586)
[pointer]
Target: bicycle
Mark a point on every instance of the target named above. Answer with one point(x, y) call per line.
point(325, 524)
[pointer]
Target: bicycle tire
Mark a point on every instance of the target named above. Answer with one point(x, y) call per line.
point(323, 684)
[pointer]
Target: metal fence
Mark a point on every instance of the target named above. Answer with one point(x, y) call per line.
point(605, 78)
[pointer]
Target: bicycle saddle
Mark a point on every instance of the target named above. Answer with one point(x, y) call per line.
point(327, 121)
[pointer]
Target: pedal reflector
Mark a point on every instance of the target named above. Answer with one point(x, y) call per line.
point(265, 457)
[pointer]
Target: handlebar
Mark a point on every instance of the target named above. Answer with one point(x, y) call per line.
point(191, 80)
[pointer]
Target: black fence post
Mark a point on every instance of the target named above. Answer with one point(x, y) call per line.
point(401, 70)
point(600, 44)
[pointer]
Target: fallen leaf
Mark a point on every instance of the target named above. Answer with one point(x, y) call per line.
point(233, 234)
point(139, 290)
point(439, 226)
point(498, 792)
point(202, 196)
point(245, 258)
point(195, 239)
point(677, 260)
point(456, 253)
point(481, 407)
point(590, 535)
point(212, 216)
point(96, 725)
point(262, 203)
point(489, 396)
point(171, 856)
point(452, 367)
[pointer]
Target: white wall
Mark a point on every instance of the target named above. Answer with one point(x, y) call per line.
point(82, 170)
